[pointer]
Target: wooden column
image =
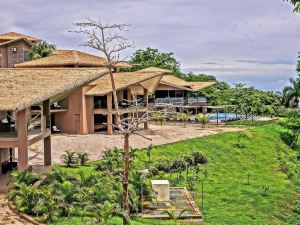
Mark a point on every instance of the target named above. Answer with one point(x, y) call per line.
point(146, 105)
point(47, 140)
point(23, 139)
point(109, 114)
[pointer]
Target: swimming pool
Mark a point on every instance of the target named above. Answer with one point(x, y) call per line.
point(222, 116)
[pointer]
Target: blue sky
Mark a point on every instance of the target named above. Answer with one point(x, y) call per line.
point(251, 41)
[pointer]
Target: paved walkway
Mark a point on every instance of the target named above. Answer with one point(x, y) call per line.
point(7, 217)
point(96, 144)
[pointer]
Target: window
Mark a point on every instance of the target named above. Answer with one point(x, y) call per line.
point(26, 56)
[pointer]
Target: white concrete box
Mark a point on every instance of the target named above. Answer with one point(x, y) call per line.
point(161, 188)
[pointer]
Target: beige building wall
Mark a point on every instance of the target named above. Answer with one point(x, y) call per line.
point(79, 119)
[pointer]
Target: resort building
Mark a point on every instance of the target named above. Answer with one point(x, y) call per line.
point(20, 90)
point(14, 48)
point(173, 90)
point(90, 109)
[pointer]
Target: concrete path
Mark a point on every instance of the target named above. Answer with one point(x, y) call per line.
point(96, 144)
point(7, 217)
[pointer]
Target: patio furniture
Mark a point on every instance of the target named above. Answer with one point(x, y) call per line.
point(55, 129)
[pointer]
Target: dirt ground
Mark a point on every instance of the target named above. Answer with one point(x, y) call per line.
point(96, 144)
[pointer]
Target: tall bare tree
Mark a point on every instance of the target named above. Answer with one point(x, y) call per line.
point(107, 39)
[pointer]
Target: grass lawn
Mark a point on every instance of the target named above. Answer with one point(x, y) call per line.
point(228, 199)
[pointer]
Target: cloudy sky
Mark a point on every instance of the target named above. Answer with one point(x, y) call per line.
point(251, 41)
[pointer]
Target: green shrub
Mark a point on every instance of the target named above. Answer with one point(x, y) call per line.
point(69, 159)
point(288, 137)
point(83, 158)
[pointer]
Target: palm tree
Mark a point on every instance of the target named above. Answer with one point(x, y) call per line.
point(158, 116)
point(291, 94)
point(149, 150)
point(83, 158)
point(184, 117)
point(69, 158)
point(202, 119)
point(172, 213)
point(41, 50)
point(104, 212)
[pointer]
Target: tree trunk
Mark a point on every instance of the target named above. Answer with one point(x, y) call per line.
point(115, 97)
point(126, 173)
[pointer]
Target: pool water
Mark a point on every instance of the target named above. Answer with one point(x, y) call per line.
point(222, 116)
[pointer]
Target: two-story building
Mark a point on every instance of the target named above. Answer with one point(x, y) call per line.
point(20, 90)
point(90, 108)
point(173, 90)
point(14, 48)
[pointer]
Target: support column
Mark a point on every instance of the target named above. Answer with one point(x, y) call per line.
point(129, 99)
point(109, 114)
point(23, 139)
point(47, 140)
point(146, 105)
point(88, 121)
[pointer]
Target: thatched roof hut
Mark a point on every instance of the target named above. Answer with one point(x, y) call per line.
point(21, 88)
point(125, 80)
point(67, 58)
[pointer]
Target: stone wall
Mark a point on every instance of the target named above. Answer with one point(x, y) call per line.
point(14, 57)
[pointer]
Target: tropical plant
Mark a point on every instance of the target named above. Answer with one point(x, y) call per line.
point(296, 3)
point(292, 123)
point(199, 158)
point(83, 158)
point(184, 117)
point(66, 194)
point(46, 206)
point(202, 119)
point(26, 177)
point(69, 158)
point(158, 116)
point(102, 213)
point(291, 93)
point(25, 198)
point(174, 215)
point(41, 50)
point(149, 151)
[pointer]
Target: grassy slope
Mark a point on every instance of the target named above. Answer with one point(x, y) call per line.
point(228, 199)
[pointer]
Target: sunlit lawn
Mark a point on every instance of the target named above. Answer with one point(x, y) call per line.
point(228, 199)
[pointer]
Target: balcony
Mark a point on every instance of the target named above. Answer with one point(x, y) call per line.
point(60, 106)
point(181, 101)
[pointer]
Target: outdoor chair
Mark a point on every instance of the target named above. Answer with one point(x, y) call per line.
point(55, 129)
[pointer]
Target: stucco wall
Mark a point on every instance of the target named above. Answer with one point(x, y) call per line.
point(79, 117)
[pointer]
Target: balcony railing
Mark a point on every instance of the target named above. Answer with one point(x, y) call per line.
point(168, 100)
point(180, 100)
point(196, 100)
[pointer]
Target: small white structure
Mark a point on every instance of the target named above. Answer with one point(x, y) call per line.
point(161, 189)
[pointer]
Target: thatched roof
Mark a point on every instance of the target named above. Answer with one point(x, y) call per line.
point(173, 81)
point(61, 58)
point(16, 40)
point(13, 36)
point(125, 80)
point(155, 69)
point(21, 88)
point(198, 86)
